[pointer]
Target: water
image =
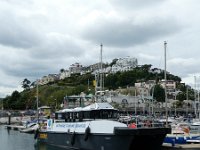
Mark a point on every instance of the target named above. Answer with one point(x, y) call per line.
point(14, 140)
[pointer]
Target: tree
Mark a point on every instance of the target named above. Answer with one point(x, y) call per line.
point(113, 61)
point(12, 102)
point(26, 84)
point(62, 70)
point(159, 93)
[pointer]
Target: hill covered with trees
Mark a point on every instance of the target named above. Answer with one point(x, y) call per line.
point(52, 94)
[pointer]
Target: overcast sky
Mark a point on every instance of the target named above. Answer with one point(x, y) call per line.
point(39, 37)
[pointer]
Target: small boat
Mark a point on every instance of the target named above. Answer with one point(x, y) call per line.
point(181, 133)
point(194, 140)
point(195, 127)
point(97, 127)
point(30, 129)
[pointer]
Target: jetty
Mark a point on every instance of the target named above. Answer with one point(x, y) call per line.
point(181, 146)
point(14, 127)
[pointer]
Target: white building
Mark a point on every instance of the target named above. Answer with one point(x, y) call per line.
point(47, 79)
point(64, 74)
point(124, 64)
point(75, 68)
point(170, 85)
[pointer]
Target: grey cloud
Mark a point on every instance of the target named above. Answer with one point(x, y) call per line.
point(17, 32)
point(132, 4)
point(57, 48)
point(185, 66)
point(126, 33)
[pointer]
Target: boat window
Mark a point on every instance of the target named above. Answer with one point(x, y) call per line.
point(80, 116)
point(59, 116)
point(86, 115)
point(67, 117)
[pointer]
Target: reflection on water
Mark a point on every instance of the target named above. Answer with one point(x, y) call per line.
point(14, 140)
point(43, 146)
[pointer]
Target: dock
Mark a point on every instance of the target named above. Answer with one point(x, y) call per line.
point(181, 146)
point(14, 127)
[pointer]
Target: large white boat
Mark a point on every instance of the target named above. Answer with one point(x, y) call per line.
point(96, 127)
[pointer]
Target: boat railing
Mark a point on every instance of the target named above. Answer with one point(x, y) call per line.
point(153, 125)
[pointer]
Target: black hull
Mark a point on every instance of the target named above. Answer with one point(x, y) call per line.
point(122, 139)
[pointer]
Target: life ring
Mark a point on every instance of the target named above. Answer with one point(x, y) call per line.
point(73, 138)
point(87, 133)
point(36, 134)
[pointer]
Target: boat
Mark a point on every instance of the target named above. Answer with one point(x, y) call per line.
point(183, 133)
point(194, 140)
point(195, 127)
point(30, 129)
point(96, 127)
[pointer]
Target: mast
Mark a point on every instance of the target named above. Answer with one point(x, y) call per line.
point(37, 101)
point(99, 78)
point(195, 104)
point(166, 110)
point(187, 100)
point(101, 72)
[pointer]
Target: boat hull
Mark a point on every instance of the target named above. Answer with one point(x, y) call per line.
point(121, 139)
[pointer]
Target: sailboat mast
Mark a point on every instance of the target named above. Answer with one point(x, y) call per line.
point(37, 101)
point(165, 74)
point(195, 106)
point(101, 72)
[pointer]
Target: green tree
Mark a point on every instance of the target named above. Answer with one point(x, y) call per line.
point(62, 70)
point(26, 84)
point(159, 93)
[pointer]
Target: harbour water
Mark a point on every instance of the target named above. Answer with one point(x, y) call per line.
point(14, 140)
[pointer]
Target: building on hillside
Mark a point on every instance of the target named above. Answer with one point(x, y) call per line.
point(145, 87)
point(170, 85)
point(47, 79)
point(124, 64)
point(75, 68)
point(96, 67)
point(64, 74)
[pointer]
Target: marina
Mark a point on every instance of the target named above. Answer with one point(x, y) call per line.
point(22, 141)
point(92, 123)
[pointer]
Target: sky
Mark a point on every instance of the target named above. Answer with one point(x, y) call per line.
point(40, 37)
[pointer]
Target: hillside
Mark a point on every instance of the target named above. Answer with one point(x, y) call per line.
point(53, 94)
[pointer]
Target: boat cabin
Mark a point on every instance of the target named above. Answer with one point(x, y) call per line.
point(91, 112)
